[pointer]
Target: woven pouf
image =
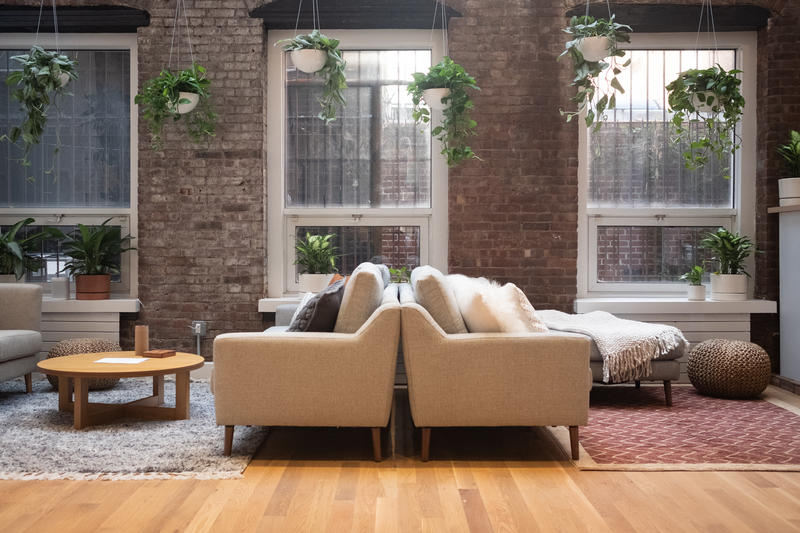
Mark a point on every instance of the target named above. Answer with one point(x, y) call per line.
point(75, 346)
point(729, 369)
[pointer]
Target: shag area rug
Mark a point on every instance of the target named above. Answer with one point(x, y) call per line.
point(632, 429)
point(39, 442)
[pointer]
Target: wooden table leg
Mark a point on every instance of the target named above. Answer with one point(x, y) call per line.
point(28, 383)
point(64, 394)
point(158, 388)
point(182, 395)
point(81, 407)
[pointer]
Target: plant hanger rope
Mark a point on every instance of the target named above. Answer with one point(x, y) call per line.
point(178, 5)
point(608, 5)
point(315, 20)
point(440, 4)
point(705, 7)
point(55, 24)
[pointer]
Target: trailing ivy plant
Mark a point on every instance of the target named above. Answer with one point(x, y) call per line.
point(332, 72)
point(588, 74)
point(40, 81)
point(707, 105)
point(791, 154)
point(316, 254)
point(457, 126)
point(159, 99)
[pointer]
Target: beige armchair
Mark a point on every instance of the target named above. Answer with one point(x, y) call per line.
point(493, 379)
point(20, 338)
point(309, 379)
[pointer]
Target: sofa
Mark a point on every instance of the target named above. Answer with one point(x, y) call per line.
point(316, 379)
point(20, 337)
point(492, 379)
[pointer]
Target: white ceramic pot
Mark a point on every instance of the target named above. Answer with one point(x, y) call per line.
point(193, 98)
point(594, 48)
point(314, 282)
point(789, 191)
point(433, 97)
point(703, 107)
point(63, 78)
point(10, 278)
point(728, 287)
point(309, 61)
point(696, 293)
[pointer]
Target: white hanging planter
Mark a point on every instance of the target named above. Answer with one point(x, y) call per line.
point(696, 293)
point(433, 97)
point(594, 48)
point(64, 79)
point(193, 98)
point(789, 191)
point(314, 282)
point(728, 287)
point(703, 107)
point(309, 61)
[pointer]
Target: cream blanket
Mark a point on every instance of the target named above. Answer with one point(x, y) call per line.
point(627, 346)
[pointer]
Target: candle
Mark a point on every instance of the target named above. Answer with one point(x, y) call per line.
point(141, 342)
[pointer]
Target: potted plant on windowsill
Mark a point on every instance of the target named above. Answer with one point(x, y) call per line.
point(19, 255)
point(593, 40)
point(94, 254)
point(171, 96)
point(709, 98)
point(729, 282)
point(316, 256)
point(444, 88)
point(789, 188)
point(43, 77)
point(319, 54)
point(696, 292)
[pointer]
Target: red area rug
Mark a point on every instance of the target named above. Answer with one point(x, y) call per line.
point(632, 429)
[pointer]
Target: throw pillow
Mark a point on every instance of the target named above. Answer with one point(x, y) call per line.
point(385, 274)
point(362, 297)
point(320, 311)
point(432, 292)
point(473, 303)
point(515, 313)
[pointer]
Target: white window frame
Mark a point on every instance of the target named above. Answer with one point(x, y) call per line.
point(282, 221)
point(128, 217)
point(740, 218)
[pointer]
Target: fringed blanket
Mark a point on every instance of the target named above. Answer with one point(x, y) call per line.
point(627, 346)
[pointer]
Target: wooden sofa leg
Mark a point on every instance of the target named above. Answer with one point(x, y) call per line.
point(28, 383)
point(228, 441)
point(573, 442)
point(668, 392)
point(426, 443)
point(637, 383)
point(376, 444)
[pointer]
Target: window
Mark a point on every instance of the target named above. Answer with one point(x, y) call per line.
point(642, 213)
point(92, 177)
point(371, 177)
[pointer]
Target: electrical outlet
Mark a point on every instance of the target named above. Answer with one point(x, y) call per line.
point(199, 327)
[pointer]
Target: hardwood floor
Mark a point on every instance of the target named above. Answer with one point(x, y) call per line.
point(506, 479)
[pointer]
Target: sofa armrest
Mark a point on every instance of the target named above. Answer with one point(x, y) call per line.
point(26, 301)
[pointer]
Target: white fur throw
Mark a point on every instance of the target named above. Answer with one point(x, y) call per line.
point(627, 346)
point(487, 307)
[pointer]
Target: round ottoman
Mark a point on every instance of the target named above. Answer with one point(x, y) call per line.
point(75, 346)
point(729, 369)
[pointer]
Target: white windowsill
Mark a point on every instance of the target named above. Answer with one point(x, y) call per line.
point(672, 305)
point(112, 305)
point(270, 305)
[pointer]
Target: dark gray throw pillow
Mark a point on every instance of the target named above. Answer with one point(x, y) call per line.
point(320, 312)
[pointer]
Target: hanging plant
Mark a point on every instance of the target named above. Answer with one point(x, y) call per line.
point(43, 77)
point(316, 53)
point(457, 126)
point(170, 96)
point(594, 40)
point(707, 105)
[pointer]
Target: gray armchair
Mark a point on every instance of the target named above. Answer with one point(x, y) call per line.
point(20, 338)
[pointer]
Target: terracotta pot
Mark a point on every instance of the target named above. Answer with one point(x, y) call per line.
point(95, 287)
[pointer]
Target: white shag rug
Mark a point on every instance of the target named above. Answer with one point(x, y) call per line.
point(39, 442)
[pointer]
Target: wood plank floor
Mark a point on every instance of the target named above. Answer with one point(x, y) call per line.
point(506, 479)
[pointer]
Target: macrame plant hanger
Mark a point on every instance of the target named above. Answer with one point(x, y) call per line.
point(178, 5)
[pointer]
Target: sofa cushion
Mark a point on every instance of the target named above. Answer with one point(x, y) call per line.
point(432, 292)
point(320, 311)
point(362, 296)
point(16, 343)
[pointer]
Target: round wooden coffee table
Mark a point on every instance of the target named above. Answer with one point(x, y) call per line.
point(75, 371)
